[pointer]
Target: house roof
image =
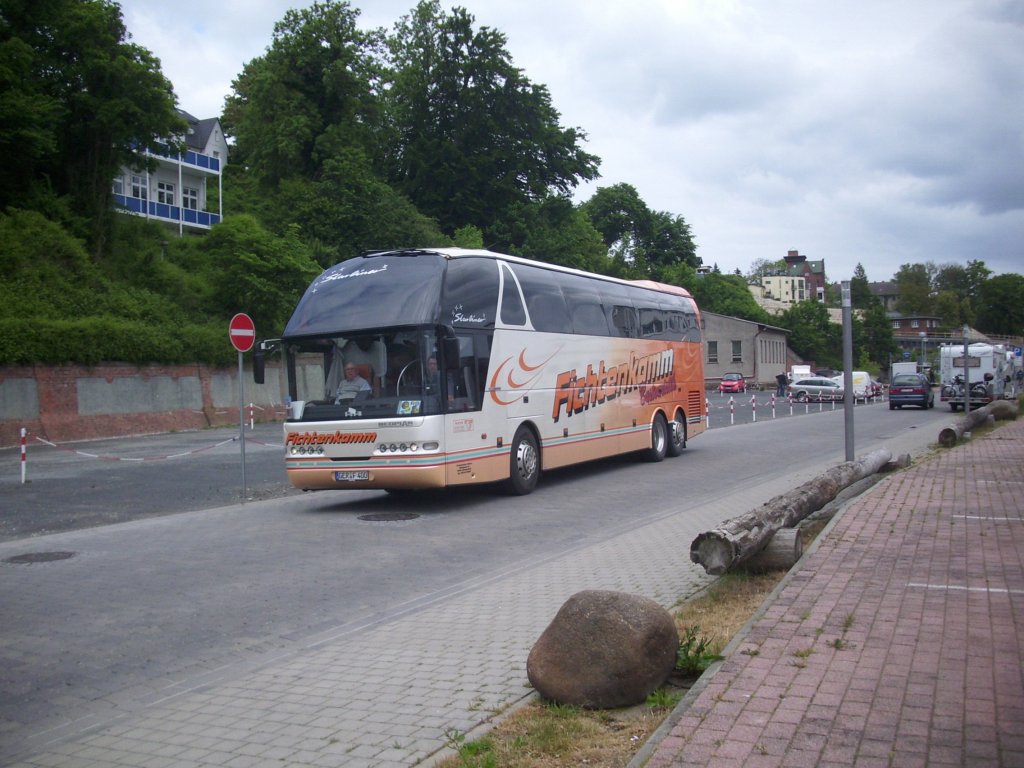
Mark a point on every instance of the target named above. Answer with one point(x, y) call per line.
point(884, 288)
point(198, 134)
point(814, 267)
point(762, 326)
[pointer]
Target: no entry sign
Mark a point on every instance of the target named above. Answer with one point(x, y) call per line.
point(242, 332)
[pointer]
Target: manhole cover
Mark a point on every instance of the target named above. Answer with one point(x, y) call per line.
point(39, 557)
point(388, 517)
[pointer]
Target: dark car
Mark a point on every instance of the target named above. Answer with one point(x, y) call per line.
point(910, 389)
point(732, 382)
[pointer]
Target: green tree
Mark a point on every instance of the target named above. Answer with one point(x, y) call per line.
point(312, 95)
point(640, 242)
point(877, 341)
point(964, 281)
point(1001, 305)
point(812, 335)
point(861, 296)
point(256, 272)
point(762, 267)
point(555, 231)
point(915, 288)
point(726, 295)
point(93, 103)
point(470, 136)
point(349, 210)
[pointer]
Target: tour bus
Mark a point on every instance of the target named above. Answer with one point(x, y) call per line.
point(412, 369)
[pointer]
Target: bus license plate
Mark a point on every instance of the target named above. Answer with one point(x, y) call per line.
point(359, 474)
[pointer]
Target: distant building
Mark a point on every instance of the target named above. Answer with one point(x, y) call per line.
point(756, 350)
point(789, 289)
point(887, 292)
point(813, 273)
point(180, 192)
point(913, 325)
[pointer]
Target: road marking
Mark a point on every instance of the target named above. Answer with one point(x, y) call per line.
point(959, 588)
point(986, 517)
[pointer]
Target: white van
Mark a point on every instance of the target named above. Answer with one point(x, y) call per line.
point(861, 384)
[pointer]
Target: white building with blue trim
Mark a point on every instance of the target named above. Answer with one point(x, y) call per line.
point(179, 192)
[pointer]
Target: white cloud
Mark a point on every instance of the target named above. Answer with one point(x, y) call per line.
point(873, 132)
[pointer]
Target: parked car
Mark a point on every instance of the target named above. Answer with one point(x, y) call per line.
point(876, 388)
point(732, 382)
point(815, 388)
point(910, 389)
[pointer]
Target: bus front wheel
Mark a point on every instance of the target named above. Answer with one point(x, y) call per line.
point(524, 469)
point(677, 435)
point(659, 439)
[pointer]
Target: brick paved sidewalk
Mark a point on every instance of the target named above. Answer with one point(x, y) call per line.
point(898, 642)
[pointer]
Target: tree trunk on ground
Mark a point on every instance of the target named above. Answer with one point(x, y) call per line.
point(739, 538)
point(1000, 409)
point(781, 551)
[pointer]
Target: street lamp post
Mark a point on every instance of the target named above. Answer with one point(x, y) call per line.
point(924, 336)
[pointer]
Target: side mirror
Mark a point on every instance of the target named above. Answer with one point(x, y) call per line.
point(258, 365)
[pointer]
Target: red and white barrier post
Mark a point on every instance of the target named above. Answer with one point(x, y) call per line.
point(773, 405)
point(707, 413)
point(252, 416)
point(753, 407)
point(24, 454)
point(732, 411)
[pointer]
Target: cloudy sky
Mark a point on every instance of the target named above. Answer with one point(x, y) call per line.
point(878, 131)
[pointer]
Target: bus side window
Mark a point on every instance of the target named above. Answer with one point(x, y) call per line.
point(625, 322)
point(589, 319)
point(512, 310)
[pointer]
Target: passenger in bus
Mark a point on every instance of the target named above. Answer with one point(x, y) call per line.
point(351, 385)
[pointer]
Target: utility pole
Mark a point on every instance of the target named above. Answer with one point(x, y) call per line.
point(848, 369)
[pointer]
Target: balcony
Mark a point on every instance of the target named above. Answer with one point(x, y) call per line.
point(167, 214)
point(193, 159)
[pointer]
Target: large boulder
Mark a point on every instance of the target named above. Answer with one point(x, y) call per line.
point(604, 649)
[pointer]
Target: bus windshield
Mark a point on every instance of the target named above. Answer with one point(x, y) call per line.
point(372, 292)
point(380, 374)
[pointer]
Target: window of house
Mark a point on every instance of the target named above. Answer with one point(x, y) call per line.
point(118, 186)
point(190, 198)
point(896, 324)
point(737, 351)
point(712, 351)
point(913, 323)
point(165, 193)
point(139, 187)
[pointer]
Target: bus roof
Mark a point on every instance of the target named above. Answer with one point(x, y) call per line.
point(455, 253)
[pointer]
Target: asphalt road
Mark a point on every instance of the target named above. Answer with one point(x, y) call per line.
point(78, 485)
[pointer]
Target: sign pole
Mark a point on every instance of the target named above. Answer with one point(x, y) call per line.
point(242, 335)
point(847, 304)
point(241, 420)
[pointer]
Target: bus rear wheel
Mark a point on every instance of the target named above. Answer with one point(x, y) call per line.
point(659, 439)
point(524, 463)
point(677, 435)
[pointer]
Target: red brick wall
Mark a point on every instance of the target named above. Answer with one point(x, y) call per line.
point(59, 419)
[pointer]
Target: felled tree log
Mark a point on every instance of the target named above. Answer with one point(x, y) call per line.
point(781, 551)
point(739, 538)
point(1005, 410)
